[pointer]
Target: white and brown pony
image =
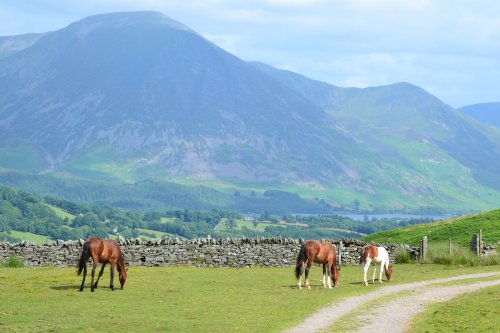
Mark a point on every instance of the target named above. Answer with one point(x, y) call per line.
point(378, 255)
point(321, 253)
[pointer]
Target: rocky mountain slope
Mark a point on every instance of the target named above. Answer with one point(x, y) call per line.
point(134, 96)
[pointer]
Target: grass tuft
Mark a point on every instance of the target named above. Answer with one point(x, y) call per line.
point(12, 262)
point(439, 253)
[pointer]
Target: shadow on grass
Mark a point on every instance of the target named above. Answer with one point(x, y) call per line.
point(67, 287)
point(77, 287)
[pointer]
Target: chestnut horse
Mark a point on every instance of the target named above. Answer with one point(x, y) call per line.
point(378, 255)
point(104, 252)
point(321, 253)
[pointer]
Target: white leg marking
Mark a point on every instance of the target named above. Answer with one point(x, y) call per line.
point(382, 265)
point(365, 271)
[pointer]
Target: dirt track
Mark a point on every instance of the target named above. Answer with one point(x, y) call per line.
point(402, 308)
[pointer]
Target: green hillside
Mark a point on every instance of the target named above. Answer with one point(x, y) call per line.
point(459, 229)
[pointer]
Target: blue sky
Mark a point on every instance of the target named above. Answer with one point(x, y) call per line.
point(450, 48)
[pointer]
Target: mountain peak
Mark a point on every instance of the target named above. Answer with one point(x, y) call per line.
point(119, 20)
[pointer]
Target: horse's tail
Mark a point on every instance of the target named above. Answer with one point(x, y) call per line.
point(83, 257)
point(300, 258)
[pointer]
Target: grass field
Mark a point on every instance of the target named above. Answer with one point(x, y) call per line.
point(181, 299)
point(476, 312)
point(61, 213)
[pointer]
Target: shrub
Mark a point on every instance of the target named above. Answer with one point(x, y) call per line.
point(13, 262)
point(402, 256)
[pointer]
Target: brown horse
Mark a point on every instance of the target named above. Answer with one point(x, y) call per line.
point(104, 252)
point(321, 253)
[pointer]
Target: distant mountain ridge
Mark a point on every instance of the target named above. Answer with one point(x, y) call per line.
point(137, 95)
point(486, 113)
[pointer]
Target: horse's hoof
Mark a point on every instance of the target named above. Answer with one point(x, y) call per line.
point(308, 287)
point(81, 289)
point(92, 290)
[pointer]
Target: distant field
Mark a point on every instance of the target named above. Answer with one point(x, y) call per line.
point(459, 229)
point(158, 234)
point(61, 213)
point(181, 299)
point(39, 239)
point(261, 226)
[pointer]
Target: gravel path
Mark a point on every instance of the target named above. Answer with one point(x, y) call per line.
point(402, 308)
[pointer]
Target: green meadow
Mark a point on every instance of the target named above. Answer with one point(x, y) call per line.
point(181, 299)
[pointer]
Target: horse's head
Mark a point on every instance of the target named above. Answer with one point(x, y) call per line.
point(335, 273)
point(122, 275)
point(388, 272)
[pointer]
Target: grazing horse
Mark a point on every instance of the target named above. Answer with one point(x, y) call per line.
point(379, 255)
point(104, 252)
point(321, 253)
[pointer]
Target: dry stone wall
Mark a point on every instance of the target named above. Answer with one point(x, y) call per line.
point(200, 252)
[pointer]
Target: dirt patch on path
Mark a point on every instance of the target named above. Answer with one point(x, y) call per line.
point(326, 316)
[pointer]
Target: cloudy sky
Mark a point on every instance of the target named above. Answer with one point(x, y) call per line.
point(450, 48)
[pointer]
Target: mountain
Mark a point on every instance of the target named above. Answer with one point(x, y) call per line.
point(486, 113)
point(140, 94)
point(134, 97)
point(427, 148)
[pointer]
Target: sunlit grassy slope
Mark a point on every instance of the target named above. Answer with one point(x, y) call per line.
point(459, 229)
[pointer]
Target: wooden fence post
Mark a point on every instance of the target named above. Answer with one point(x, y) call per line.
point(340, 253)
point(480, 250)
point(423, 248)
point(474, 244)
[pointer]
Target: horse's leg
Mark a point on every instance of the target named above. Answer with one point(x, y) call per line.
point(365, 270)
point(374, 271)
point(382, 265)
point(330, 264)
point(308, 267)
point(111, 285)
point(94, 266)
point(299, 280)
point(84, 276)
point(324, 275)
point(100, 274)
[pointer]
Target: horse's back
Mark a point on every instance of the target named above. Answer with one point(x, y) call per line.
point(382, 254)
point(103, 250)
point(320, 251)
